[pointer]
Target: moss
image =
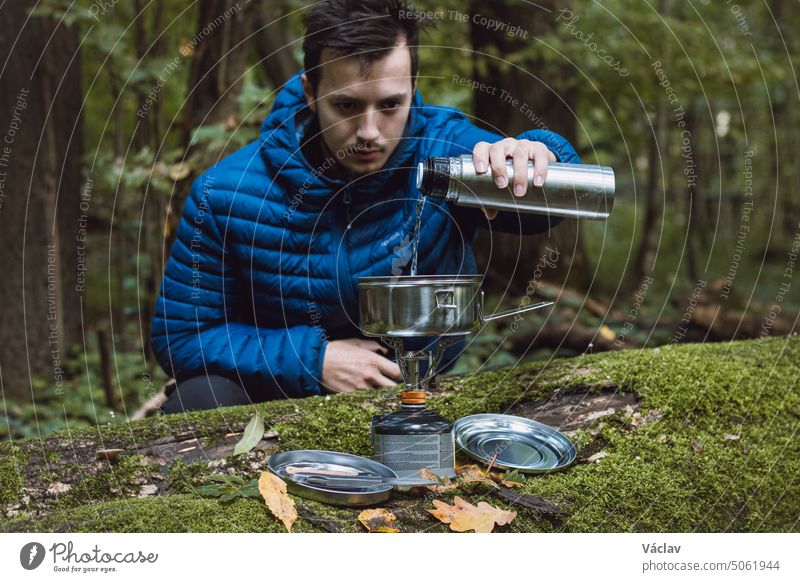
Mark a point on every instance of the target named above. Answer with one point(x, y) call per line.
point(184, 477)
point(652, 479)
point(123, 478)
point(12, 481)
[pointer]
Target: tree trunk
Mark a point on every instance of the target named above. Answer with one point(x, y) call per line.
point(657, 167)
point(549, 97)
point(274, 41)
point(218, 52)
point(40, 183)
point(219, 61)
point(648, 457)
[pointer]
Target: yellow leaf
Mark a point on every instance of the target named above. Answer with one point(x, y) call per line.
point(463, 516)
point(378, 520)
point(473, 474)
point(606, 332)
point(273, 490)
point(445, 484)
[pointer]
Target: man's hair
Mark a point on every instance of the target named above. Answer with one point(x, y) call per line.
point(368, 29)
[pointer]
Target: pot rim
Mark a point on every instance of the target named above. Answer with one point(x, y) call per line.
point(418, 280)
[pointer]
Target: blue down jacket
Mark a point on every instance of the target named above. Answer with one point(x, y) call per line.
point(264, 270)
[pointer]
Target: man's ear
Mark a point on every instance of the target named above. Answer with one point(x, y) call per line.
point(308, 91)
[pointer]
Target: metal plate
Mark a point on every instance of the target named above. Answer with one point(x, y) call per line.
point(520, 443)
point(333, 461)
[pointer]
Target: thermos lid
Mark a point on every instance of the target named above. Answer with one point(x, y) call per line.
point(433, 176)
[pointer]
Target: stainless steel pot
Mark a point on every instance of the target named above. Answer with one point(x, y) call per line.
point(425, 306)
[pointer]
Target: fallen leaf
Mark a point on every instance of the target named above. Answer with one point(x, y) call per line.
point(148, 490)
point(445, 483)
point(463, 516)
point(730, 437)
point(606, 333)
point(597, 456)
point(58, 488)
point(273, 490)
point(697, 446)
point(252, 434)
point(378, 520)
point(513, 479)
point(473, 474)
point(109, 454)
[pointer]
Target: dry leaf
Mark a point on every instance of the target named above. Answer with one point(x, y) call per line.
point(473, 474)
point(730, 437)
point(378, 520)
point(463, 516)
point(186, 49)
point(273, 490)
point(597, 456)
point(697, 446)
point(109, 454)
point(606, 332)
point(513, 479)
point(445, 484)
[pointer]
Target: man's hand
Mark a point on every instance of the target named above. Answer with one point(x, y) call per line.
point(520, 151)
point(357, 364)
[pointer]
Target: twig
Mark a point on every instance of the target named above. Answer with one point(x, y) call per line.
point(491, 464)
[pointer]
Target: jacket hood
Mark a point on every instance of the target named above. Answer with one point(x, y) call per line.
point(285, 128)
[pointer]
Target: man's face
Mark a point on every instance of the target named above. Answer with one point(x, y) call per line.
point(362, 118)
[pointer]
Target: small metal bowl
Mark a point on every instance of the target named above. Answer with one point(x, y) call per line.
point(333, 461)
point(518, 443)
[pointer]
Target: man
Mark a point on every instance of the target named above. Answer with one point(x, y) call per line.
point(259, 299)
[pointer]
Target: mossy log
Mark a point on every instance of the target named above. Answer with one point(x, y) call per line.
point(695, 437)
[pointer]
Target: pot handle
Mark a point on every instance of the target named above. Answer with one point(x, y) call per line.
point(445, 298)
point(516, 311)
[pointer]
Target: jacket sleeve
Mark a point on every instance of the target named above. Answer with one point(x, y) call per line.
point(463, 138)
point(196, 328)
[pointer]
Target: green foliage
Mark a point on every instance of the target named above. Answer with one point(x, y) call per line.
point(228, 487)
point(252, 434)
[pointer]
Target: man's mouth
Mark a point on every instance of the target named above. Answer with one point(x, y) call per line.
point(367, 154)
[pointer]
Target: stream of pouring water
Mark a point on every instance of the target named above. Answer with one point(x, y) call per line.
point(420, 207)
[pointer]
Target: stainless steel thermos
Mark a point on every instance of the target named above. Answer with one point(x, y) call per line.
point(569, 190)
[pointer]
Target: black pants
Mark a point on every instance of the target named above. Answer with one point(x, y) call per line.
point(204, 393)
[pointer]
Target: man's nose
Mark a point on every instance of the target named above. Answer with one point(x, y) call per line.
point(368, 127)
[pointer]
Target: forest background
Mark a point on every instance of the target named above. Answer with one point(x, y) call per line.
point(109, 111)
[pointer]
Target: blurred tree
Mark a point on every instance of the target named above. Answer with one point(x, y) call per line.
point(275, 42)
point(40, 119)
point(219, 54)
point(516, 63)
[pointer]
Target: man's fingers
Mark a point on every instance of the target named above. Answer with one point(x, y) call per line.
point(480, 157)
point(386, 367)
point(497, 159)
point(392, 370)
point(490, 213)
point(540, 160)
point(383, 382)
point(521, 155)
point(374, 346)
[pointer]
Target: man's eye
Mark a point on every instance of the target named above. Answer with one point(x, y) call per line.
point(391, 105)
point(345, 107)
